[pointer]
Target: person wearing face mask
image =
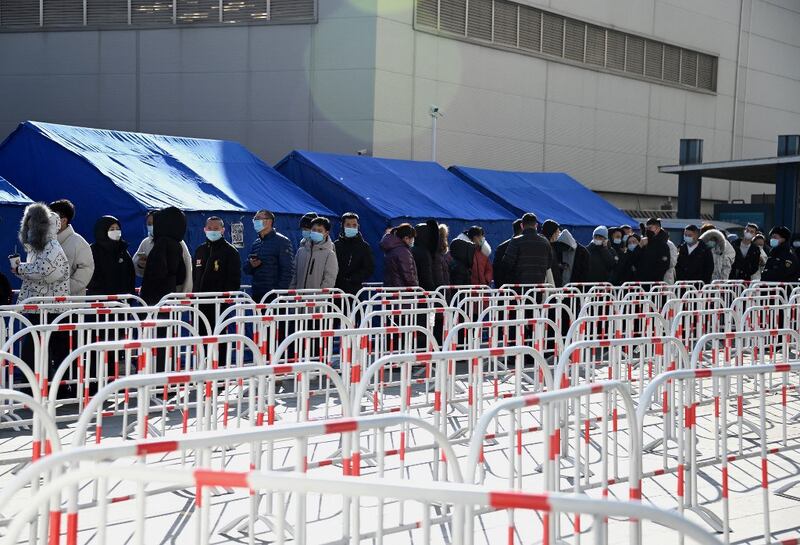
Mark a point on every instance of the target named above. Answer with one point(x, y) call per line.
point(75, 247)
point(760, 242)
point(315, 265)
point(270, 262)
point(718, 244)
point(695, 261)
point(399, 269)
point(470, 253)
point(305, 227)
point(796, 243)
point(217, 265)
point(166, 268)
point(627, 231)
point(628, 268)
point(142, 253)
point(113, 266)
point(442, 258)
point(747, 262)
point(655, 260)
point(782, 263)
point(356, 264)
point(602, 260)
point(616, 243)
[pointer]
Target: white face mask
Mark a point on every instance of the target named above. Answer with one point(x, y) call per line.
point(598, 241)
point(748, 235)
point(115, 235)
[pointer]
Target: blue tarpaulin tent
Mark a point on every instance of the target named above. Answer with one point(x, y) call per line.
point(550, 195)
point(12, 207)
point(386, 192)
point(125, 174)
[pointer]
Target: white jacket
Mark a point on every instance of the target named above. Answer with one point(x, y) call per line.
point(723, 253)
point(669, 276)
point(144, 250)
point(81, 262)
point(45, 273)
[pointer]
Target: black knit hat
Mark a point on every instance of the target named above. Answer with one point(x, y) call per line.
point(549, 227)
point(782, 232)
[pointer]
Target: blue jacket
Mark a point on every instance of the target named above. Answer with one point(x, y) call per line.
point(277, 263)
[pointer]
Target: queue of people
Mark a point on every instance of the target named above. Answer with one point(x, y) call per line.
point(60, 262)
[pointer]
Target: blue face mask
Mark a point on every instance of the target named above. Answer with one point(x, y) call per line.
point(350, 232)
point(315, 237)
point(149, 230)
point(774, 242)
point(711, 244)
point(411, 244)
point(688, 240)
point(625, 238)
point(258, 225)
point(306, 234)
point(632, 247)
point(213, 236)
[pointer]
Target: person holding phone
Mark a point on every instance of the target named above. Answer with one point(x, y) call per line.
point(270, 262)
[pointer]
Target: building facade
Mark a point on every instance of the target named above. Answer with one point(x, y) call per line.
point(602, 90)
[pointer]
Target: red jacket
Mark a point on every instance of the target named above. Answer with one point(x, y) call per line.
point(482, 272)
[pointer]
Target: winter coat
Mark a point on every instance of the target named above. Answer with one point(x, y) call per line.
point(782, 265)
point(528, 258)
point(217, 267)
point(399, 269)
point(762, 262)
point(277, 264)
point(482, 272)
point(113, 266)
point(146, 246)
point(45, 272)
point(6, 293)
point(669, 276)
point(628, 268)
point(655, 259)
point(698, 265)
point(723, 254)
point(571, 260)
point(602, 261)
point(426, 243)
point(356, 264)
point(81, 263)
point(462, 253)
point(315, 266)
point(441, 268)
point(745, 266)
point(500, 273)
point(165, 268)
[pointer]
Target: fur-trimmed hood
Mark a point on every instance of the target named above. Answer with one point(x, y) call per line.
point(715, 236)
point(486, 249)
point(39, 226)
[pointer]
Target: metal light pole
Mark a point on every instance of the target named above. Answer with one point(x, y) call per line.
point(435, 114)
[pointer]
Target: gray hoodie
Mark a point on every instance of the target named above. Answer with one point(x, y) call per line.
point(568, 255)
point(315, 266)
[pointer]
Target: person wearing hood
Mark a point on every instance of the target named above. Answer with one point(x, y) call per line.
point(615, 242)
point(718, 244)
point(140, 257)
point(165, 268)
point(695, 261)
point(571, 259)
point(442, 258)
point(747, 261)
point(425, 245)
point(782, 264)
point(399, 269)
point(500, 274)
point(315, 265)
point(75, 247)
point(656, 257)
point(46, 271)
point(470, 253)
point(628, 268)
point(113, 266)
point(602, 259)
point(354, 255)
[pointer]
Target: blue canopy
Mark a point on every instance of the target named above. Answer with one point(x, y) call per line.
point(385, 192)
point(550, 195)
point(125, 174)
point(12, 207)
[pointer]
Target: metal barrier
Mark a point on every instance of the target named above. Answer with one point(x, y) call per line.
point(126, 298)
point(617, 326)
point(690, 325)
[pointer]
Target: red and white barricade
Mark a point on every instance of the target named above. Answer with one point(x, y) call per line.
point(617, 326)
point(690, 325)
point(125, 298)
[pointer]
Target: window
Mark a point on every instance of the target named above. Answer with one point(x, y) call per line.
point(508, 24)
point(71, 14)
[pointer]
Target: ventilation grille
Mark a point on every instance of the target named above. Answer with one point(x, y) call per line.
point(70, 14)
point(509, 24)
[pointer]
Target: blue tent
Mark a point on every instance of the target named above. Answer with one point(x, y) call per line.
point(125, 174)
point(550, 195)
point(386, 192)
point(12, 207)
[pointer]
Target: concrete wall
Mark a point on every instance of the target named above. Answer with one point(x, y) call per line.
point(274, 88)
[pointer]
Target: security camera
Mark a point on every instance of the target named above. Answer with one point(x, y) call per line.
point(436, 111)
point(362, 152)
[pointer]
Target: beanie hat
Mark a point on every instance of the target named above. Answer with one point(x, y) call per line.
point(600, 231)
point(549, 227)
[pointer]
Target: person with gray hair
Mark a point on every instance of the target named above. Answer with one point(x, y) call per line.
point(45, 272)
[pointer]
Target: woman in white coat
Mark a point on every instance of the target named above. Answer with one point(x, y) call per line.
point(45, 273)
point(722, 251)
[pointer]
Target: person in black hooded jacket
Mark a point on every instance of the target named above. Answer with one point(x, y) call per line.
point(356, 264)
point(425, 245)
point(654, 261)
point(113, 267)
point(165, 268)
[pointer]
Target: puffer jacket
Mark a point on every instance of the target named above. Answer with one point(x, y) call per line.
point(602, 261)
point(482, 272)
point(356, 263)
point(528, 258)
point(722, 252)
point(165, 266)
point(462, 252)
point(45, 273)
point(113, 267)
point(315, 266)
point(277, 264)
point(425, 244)
point(697, 265)
point(81, 261)
point(399, 269)
point(745, 266)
